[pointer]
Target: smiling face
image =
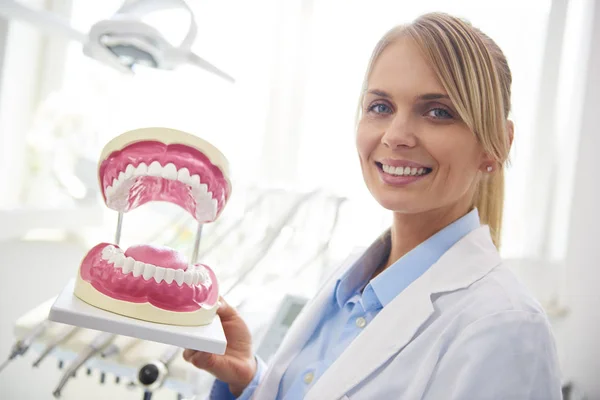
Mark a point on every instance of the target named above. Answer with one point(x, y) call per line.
point(415, 152)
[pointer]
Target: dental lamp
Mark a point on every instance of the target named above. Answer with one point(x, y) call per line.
point(124, 40)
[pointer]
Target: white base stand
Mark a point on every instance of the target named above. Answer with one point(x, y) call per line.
point(68, 309)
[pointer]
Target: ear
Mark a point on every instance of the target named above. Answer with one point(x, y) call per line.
point(487, 160)
point(511, 133)
point(486, 163)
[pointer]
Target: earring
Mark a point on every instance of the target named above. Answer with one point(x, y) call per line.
point(489, 168)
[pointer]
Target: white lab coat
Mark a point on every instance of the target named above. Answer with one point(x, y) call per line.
point(466, 329)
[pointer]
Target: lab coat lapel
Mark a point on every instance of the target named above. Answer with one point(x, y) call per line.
point(299, 334)
point(467, 261)
point(387, 334)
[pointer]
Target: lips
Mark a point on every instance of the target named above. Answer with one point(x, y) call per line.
point(400, 176)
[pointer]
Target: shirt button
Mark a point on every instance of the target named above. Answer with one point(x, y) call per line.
point(308, 378)
point(361, 322)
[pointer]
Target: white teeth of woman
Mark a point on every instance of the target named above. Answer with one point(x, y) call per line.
point(192, 276)
point(403, 170)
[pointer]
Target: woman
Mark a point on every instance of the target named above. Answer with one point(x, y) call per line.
point(428, 311)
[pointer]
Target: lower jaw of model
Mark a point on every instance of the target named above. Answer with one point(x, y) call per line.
point(123, 282)
point(150, 283)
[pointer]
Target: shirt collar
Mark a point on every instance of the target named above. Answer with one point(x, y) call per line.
point(361, 271)
point(407, 269)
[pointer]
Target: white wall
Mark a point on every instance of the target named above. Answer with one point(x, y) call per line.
point(578, 334)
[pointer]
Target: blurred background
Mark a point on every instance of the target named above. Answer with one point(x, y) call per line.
point(299, 205)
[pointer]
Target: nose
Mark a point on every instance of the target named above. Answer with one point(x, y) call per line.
point(399, 133)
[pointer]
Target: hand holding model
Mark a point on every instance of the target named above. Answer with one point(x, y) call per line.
point(237, 366)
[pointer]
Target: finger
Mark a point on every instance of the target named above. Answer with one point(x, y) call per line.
point(206, 361)
point(225, 311)
point(218, 366)
point(188, 353)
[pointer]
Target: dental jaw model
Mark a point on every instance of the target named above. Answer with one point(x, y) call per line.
point(152, 283)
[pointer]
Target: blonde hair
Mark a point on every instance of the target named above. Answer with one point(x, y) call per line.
point(476, 76)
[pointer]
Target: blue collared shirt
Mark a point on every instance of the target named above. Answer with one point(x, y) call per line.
point(352, 308)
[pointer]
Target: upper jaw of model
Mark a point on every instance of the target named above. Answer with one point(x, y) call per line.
point(160, 164)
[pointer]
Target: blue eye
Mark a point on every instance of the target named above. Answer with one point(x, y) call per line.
point(439, 113)
point(380, 108)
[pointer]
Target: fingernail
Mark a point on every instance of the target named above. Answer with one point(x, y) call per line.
point(187, 354)
point(221, 302)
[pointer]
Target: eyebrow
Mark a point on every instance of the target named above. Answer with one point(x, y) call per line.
point(426, 96)
point(434, 96)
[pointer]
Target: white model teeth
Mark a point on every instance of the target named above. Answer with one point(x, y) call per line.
point(195, 181)
point(169, 275)
point(179, 277)
point(183, 175)
point(141, 170)
point(107, 251)
point(129, 171)
point(170, 172)
point(201, 275)
point(138, 268)
point(188, 277)
point(191, 276)
point(149, 271)
point(159, 274)
point(128, 265)
point(116, 258)
point(155, 169)
point(404, 171)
